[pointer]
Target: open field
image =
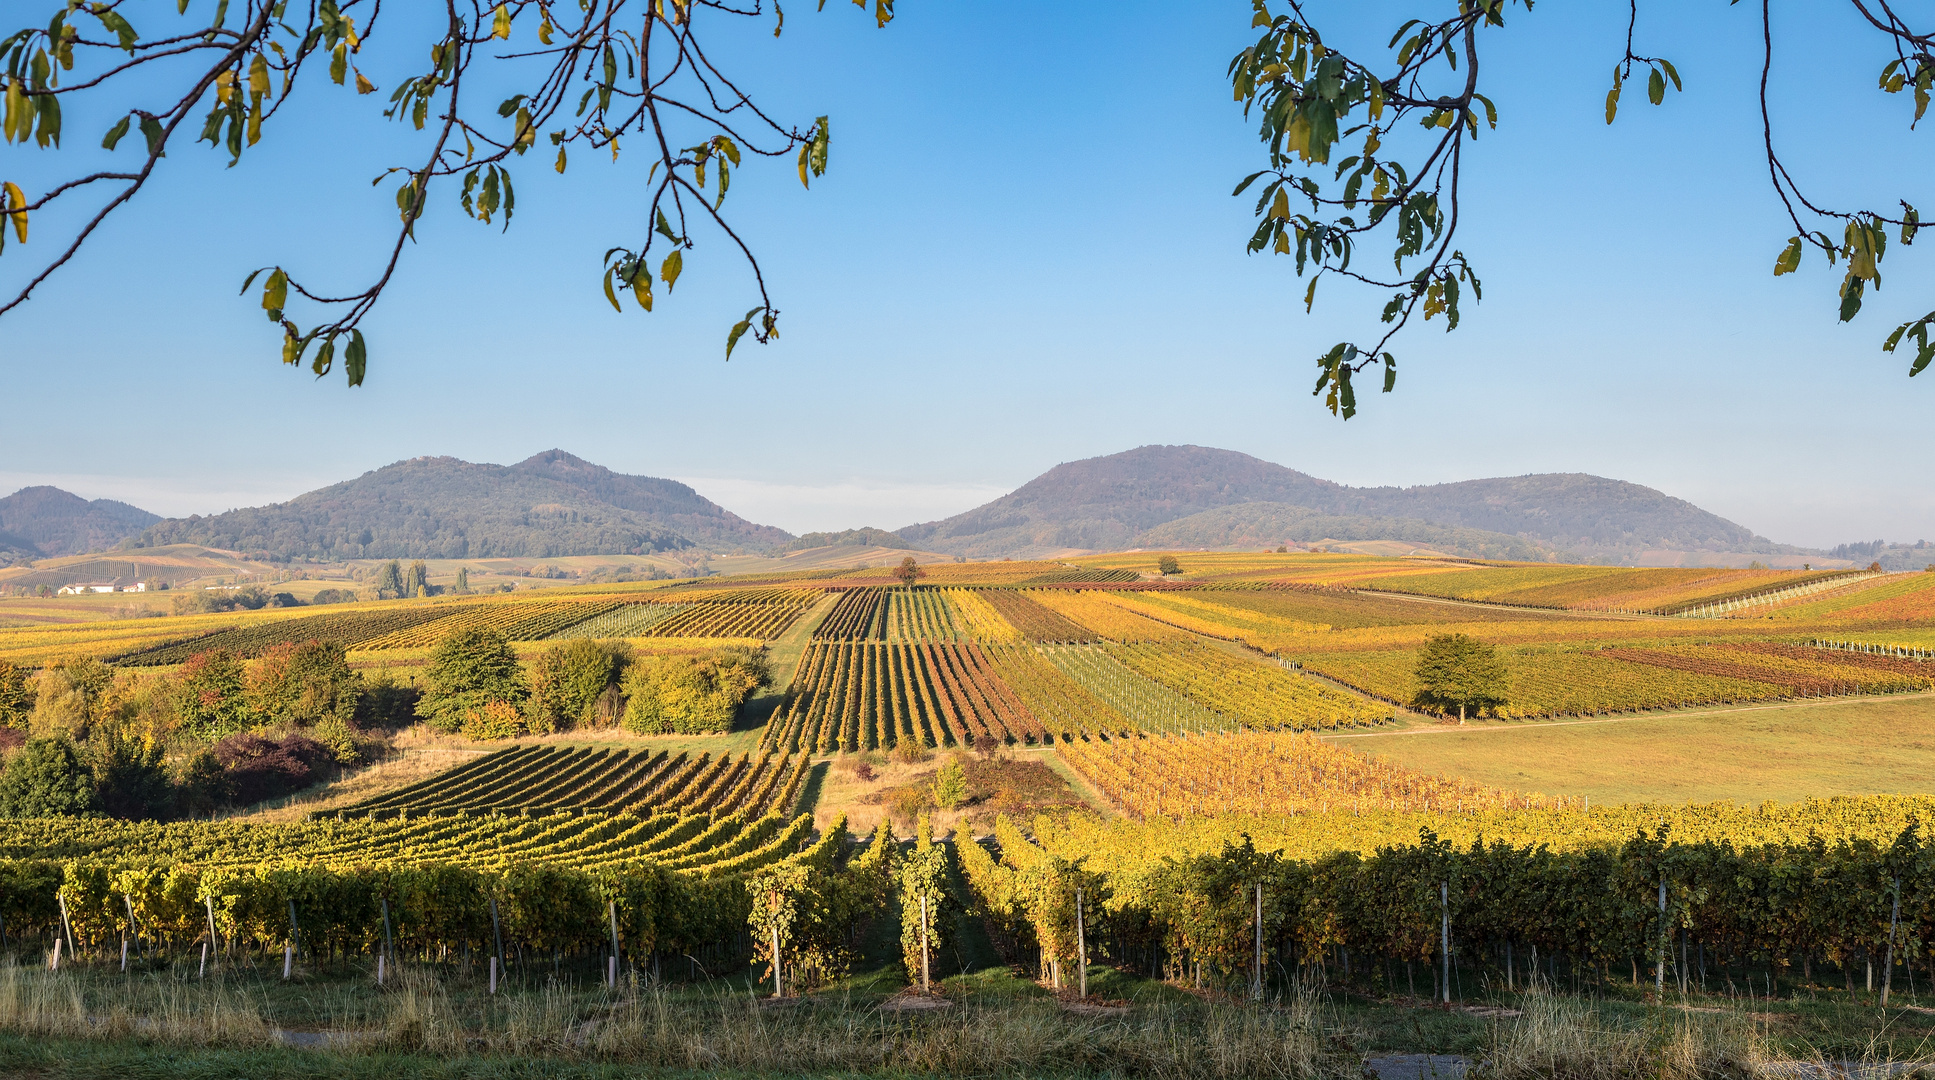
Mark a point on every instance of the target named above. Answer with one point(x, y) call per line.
point(1745, 754)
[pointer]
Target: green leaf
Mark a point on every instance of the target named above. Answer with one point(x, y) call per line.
point(355, 358)
point(738, 331)
point(1851, 291)
point(1656, 87)
point(114, 133)
point(665, 227)
point(1612, 102)
point(325, 358)
point(1672, 74)
point(152, 131)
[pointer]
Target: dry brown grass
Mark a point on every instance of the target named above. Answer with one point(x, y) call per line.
point(648, 1026)
point(1559, 1038)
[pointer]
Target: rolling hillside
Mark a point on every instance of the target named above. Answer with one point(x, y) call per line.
point(39, 522)
point(1115, 501)
point(550, 505)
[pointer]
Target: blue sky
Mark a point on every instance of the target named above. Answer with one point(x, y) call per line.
point(1025, 252)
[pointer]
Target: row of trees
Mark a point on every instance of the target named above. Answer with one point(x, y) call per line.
point(476, 686)
point(84, 737)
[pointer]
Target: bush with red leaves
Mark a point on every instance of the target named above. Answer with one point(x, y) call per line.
point(258, 768)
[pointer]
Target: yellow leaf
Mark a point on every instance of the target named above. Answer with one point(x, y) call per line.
point(500, 22)
point(560, 159)
point(16, 203)
point(669, 270)
point(259, 75)
point(363, 85)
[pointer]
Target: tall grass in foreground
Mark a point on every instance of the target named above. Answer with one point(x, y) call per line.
point(652, 1025)
point(647, 1024)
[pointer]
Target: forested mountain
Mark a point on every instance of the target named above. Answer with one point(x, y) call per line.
point(1267, 523)
point(45, 521)
point(1113, 501)
point(549, 505)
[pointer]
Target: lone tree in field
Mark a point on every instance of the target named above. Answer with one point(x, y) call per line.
point(909, 571)
point(1168, 565)
point(1459, 670)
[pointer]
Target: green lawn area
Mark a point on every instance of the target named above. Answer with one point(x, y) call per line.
point(1748, 753)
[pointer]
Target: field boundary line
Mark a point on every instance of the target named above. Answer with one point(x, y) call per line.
point(1574, 613)
point(1458, 729)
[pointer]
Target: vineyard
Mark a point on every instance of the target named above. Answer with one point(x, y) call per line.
point(1571, 896)
point(559, 779)
point(1265, 774)
point(346, 629)
point(872, 695)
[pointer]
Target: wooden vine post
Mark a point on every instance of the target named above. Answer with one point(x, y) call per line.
point(1888, 966)
point(1256, 970)
point(1444, 908)
point(214, 941)
point(389, 944)
point(611, 909)
point(1081, 941)
point(926, 982)
point(1659, 968)
point(497, 938)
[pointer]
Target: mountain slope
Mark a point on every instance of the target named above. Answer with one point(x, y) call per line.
point(1108, 502)
point(46, 521)
point(550, 505)
point(1263, 524)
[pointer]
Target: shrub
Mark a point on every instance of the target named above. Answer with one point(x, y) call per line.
point(496, 720)
point(386, 705)
point(909, 752)
point(257, 768)
point(129, 780)
point(210, 700)
point(333, 596)
point(304, 684)
point(470, 669)
point(45, 777)
point(16, 697)
point(950, 784)
point(568, 680)
point(690, 694)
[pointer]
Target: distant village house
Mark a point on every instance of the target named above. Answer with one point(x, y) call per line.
point(117, 585)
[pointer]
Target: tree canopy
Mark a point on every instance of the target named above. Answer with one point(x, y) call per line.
point(584, 76)
point(1402, 124)
point(1457, 671)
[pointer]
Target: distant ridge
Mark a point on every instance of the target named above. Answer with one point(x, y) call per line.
point(550, 505)
point(1119, 501)
point(46, 522)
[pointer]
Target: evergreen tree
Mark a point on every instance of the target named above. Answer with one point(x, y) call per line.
point(45, 778)
point(470, 669)
point(463, 579)
point(129, 779)
point(1456, 670)
point(389, 580)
